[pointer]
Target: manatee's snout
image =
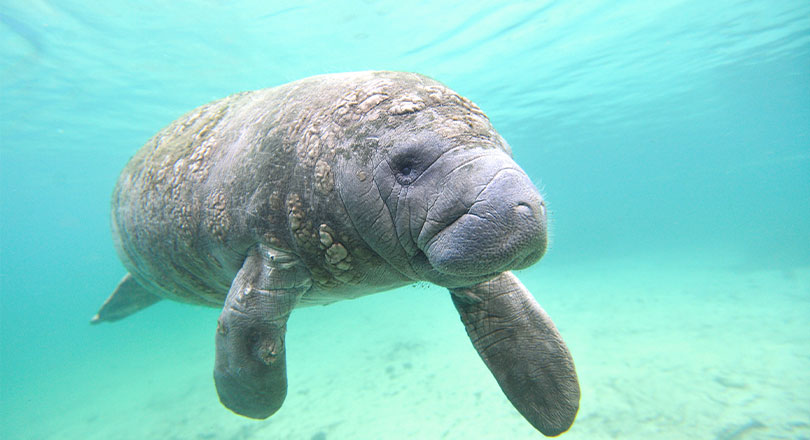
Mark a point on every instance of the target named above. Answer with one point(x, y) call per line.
point(513, 196)
point(503, 229)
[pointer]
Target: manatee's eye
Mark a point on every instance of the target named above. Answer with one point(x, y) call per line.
point(406, 169)
point(410, 159)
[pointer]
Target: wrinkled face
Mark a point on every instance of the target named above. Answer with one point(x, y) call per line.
point(450, 213)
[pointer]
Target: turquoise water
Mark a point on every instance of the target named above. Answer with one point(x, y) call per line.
point(671, 139)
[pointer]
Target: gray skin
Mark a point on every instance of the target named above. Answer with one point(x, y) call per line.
point(334, 187)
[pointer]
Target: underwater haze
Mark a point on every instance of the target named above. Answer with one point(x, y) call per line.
point(670, 138)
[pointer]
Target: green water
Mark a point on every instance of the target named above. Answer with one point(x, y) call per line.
point(670, 138)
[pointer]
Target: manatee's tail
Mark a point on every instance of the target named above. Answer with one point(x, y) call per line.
point(128, 298)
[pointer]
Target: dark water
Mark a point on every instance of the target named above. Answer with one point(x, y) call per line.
point(671, 138)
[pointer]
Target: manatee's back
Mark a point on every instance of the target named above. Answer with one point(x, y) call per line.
point(198, 195)
point(178, 218)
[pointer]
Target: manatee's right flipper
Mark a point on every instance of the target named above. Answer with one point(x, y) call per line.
point(128, 298)
point(523, 350)
point(250, 370)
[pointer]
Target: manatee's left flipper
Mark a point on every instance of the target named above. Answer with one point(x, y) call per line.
point(129, 297)
point(250, 370)
point(523, 349)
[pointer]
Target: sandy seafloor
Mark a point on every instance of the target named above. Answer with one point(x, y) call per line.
point(666, 347)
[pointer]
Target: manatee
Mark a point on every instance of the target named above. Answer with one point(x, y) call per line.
point(329, 188)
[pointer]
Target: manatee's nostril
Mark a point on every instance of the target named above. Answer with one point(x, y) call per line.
point(523, 208)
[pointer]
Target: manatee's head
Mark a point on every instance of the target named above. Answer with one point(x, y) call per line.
point(432, 188)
